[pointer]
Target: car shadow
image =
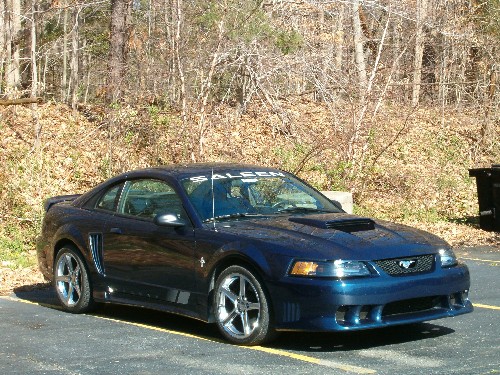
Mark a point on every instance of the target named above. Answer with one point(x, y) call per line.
point(295, 341)
point(357, 340)
point(40, 293)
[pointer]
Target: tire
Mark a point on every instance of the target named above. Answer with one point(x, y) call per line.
point(71, 281)
point(241, 307)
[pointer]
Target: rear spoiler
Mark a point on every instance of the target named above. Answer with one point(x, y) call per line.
point(49, 202)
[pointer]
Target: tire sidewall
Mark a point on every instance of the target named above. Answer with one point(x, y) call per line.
point(264, 331)
point(85, 302)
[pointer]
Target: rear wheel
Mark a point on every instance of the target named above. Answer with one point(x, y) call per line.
point(71, 281)
point(241, 307)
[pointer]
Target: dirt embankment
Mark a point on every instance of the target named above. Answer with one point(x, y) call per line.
point(405, 165)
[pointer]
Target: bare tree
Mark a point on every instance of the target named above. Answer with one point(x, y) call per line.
point(74, 66)
point(359, 54)
point(339, 34)
point(419, 50)
point(33, 49)
point(12, 28)
point(118, 48)
point(3, 34)
point(34, 75)
point(64, 75)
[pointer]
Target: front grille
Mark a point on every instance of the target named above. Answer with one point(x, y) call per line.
point(404, 266)
point(411, 306)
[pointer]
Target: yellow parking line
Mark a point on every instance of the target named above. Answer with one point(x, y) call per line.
point(281, 353)
point(481, 260)
point(9, 298)
point(317, 361)
point(486, 306)
point(147, 326)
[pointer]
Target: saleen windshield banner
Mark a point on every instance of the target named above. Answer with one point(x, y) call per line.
point(217, 176)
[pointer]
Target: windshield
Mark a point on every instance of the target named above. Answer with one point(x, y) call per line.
point(241, 193)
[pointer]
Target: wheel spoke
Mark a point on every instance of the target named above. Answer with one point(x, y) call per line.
point(63, 278)
point(246, 325)
point(254, 306)
point(69, 296)
point(69, 263)
point(229, 318)
point(242, 287)
point(230, 295)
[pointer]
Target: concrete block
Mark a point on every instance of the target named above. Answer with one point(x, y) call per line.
point(344, 198)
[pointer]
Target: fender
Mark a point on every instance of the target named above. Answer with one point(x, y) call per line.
point(249, 253)
point(70, 233)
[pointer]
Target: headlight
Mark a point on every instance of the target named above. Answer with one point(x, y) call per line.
point(337, 268)
point(448, 258)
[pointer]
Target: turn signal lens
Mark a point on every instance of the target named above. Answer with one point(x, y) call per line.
point(304, 268)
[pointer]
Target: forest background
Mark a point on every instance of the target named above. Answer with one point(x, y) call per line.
point(391, 100)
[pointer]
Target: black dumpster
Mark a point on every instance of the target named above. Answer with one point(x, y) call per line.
point(488, 196)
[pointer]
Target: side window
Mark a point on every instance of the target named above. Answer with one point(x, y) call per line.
point(109, 199)
point(149, 198)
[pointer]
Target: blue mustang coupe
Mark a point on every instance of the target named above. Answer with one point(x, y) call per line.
point(253, 249)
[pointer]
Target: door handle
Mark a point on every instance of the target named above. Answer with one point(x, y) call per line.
point(116, 230)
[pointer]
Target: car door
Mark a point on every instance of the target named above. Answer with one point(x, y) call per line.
point(142, 259)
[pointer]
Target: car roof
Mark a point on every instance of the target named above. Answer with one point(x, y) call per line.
point(175, 171)
point(181, 170)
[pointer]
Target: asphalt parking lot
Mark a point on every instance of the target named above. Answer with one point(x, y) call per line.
point(38, 338)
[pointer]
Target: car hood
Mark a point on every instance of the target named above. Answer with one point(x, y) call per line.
point(334, 236)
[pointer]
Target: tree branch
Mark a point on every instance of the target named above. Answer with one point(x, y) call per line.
point(21, 101)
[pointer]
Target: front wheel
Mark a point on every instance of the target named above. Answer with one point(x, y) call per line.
point(241, 307)
point(71, 281)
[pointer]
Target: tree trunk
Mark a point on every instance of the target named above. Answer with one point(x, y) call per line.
point(118, 48)
point(12, 40)
point(419, 51)
point(3, 34)
point(74, 61)
point(358, 46)
point(34, 68)
point(339, 31)
point(178, 60)
point(64, 77)
point(170, 56)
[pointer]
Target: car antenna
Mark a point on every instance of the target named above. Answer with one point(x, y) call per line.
point(213, 200)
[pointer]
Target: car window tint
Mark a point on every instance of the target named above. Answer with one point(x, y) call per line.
point(247, 194)
point(149, 198)
point(109, 199)
point(282, 192)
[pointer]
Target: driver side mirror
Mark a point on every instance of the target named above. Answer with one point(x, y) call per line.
point(169, 220)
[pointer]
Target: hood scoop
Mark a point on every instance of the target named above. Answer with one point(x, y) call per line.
point(347, 224)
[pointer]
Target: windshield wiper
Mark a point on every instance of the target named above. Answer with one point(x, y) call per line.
point(231, 216)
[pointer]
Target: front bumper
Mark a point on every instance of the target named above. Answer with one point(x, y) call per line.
point(304, 304)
